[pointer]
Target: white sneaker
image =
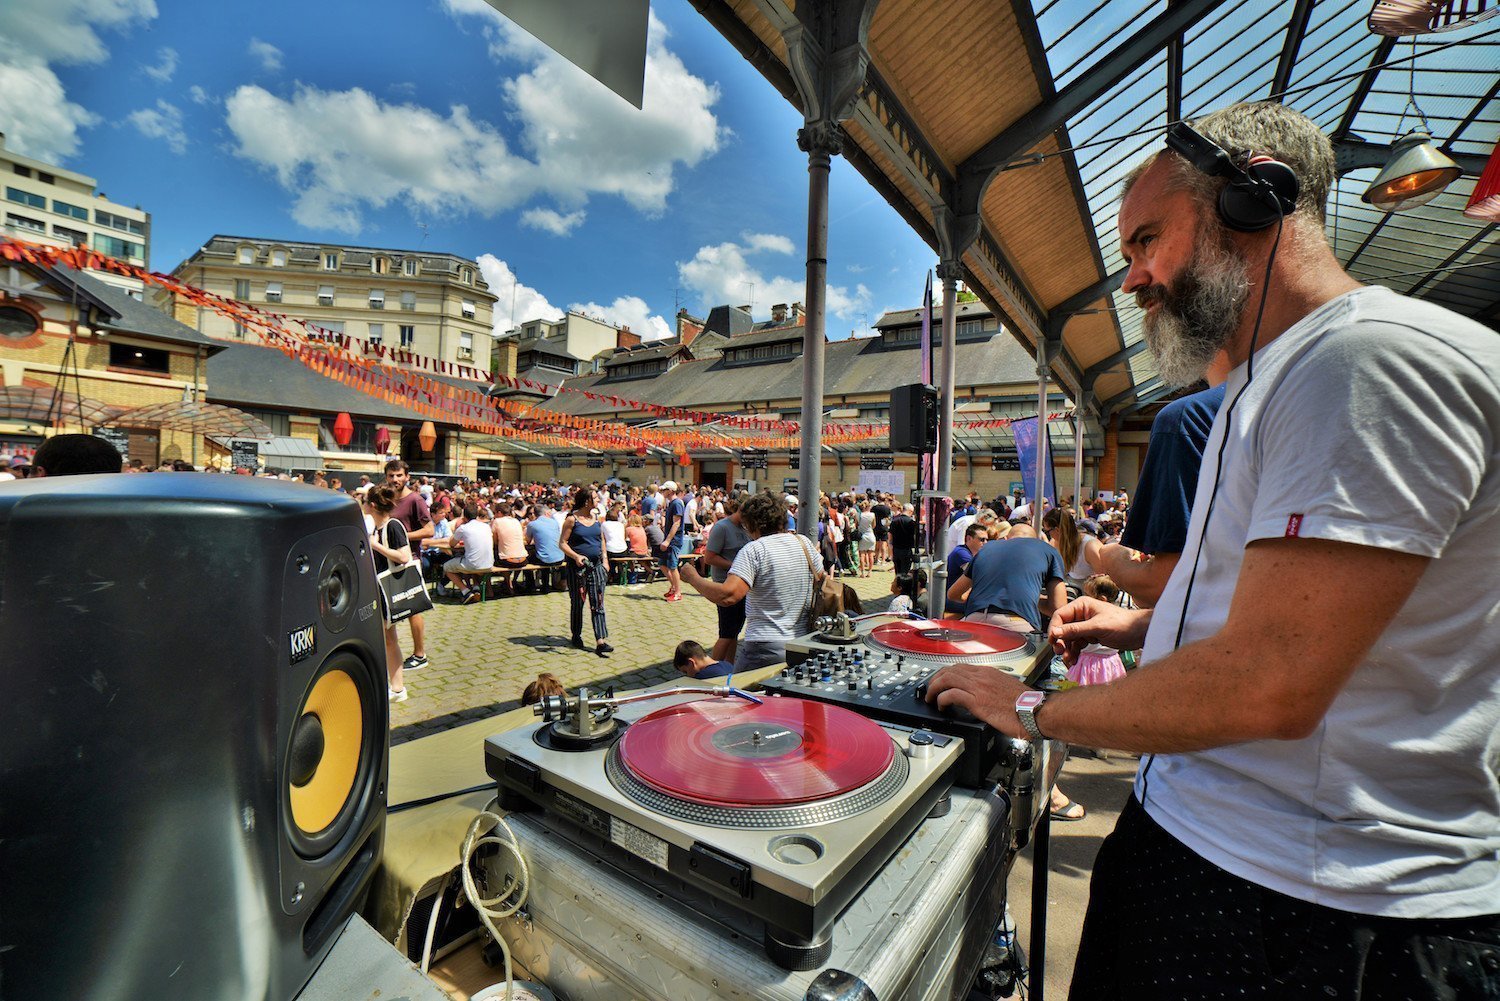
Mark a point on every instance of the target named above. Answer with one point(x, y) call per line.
point(398, 694)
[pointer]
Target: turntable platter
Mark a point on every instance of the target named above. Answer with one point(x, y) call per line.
point(949, 641)
point(780, 752)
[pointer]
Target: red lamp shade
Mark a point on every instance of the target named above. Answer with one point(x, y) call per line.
point(1484, 204)
point(427, 436)
point(382, 440)
point(640, 450)
point(684, 460)
point(343, 429)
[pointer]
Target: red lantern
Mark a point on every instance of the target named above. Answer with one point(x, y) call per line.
point(683, 460)
point(343, 429)
point(1484, 204)
point(427, 436)
point(382, 440)
point(640, 450)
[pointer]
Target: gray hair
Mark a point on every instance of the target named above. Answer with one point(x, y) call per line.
point(1254, 129)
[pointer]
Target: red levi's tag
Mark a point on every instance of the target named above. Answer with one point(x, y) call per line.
point(1293, 526)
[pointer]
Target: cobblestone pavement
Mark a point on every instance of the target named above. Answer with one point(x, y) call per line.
point(482, 656)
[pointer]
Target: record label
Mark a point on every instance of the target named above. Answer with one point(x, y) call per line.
point(732, 753)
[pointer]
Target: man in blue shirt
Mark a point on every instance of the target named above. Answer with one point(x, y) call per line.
point(1156, 529)
point(958, 561)
point(1004, 582)
point(543, 535)
point(674, 514)
point(692, 660)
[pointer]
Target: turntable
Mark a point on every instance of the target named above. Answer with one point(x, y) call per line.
point(878, 665)
point(782, 808)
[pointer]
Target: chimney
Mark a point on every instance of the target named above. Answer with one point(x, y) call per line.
point(624, 338)
point(503, 352)
point(778, 313)
point(687, 329)
point(797, 313)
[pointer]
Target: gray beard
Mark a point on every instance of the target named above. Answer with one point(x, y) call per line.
point(1197, 318)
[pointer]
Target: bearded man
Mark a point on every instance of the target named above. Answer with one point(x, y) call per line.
point(1317, 814)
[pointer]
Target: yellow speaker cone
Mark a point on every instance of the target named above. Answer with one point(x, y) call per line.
point(334, 700)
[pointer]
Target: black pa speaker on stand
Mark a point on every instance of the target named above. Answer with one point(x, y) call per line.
point(914, 419)
point(193, 735)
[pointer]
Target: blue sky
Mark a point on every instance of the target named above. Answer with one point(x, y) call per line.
point(436, 123)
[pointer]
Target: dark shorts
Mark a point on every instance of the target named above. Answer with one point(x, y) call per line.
point(1164, 923)
point(731, 620)
point(882, 535)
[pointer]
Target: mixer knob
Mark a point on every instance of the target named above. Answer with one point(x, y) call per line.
point(853, 684)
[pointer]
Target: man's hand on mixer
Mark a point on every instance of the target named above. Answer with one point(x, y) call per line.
point(985, 692)
point(1089, 620)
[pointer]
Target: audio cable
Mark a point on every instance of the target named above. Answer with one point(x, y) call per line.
point(1260, 312)
point(491, 909)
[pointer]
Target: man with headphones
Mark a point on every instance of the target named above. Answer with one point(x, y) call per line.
point(1317, 814)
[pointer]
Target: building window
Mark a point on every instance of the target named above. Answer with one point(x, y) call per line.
point(330, 262)
point(465, 344)
point(326, 331)
point(247, 255)
point(119, 222)
point(408, 335)
point(140, 359)
point(273, 291)
point(116, 247)
point(377, 298)
point(21, 171)
point(25, 198)
point(325, 295)
point(278, 258)
point(468, 309)
point(25, 222)
point(75, 237)
point(409, 301)
point(466, 275)
point(362, 440)
point(45, 177)
point(76, 211)
point(16, 324)
point(377, 333)
point(409, 267)
point(279, 423)
point(380, 265)
point(242, 289)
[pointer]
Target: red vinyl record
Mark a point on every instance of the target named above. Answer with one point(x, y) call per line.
point(735, 753)
point(951, 639)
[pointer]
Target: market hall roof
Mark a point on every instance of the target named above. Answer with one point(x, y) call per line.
point(1024, 115)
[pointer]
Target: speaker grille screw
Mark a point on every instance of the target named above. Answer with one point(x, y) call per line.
point(303, 564)
point(297, 893)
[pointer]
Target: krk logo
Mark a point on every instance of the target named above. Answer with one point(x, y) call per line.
point(303, 642)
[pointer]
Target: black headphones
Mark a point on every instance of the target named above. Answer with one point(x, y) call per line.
point(1256, 197)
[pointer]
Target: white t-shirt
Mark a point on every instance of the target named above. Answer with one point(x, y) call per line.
point(1375, 420)
point(614, 536)
point(776, 610)
point(479, 545)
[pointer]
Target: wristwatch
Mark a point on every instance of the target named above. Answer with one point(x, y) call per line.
point(1026, 709)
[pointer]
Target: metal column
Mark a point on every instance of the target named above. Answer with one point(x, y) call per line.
point(1044, 439)
point(1078, 460)
point(937, 592)
point(820, 140)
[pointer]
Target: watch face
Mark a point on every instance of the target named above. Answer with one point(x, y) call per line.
point(1030, 700)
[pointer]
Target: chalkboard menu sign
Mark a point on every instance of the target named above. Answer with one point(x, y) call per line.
point(120, 439)
point(877, 460)
point(595, 462)
point(244, 454)
point(754, 458)
point(635, 462)
point(1005, 460)
point(796, 460)
point(563, 462)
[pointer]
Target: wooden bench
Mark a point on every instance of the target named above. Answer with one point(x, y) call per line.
point(624, 563)
point(506, 575)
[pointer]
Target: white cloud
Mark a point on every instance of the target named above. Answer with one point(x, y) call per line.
point(201, 96)
point(162, 122)
point(628, 311)
point(721, 274)
point(166, 65)
point(35, 113)
point(552, 221)
point(268, 55)
point(529, 304)
point(341, 152)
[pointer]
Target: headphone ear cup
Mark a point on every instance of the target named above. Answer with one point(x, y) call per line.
point(1243, 206)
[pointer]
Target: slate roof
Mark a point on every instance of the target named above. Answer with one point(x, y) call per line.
point(767, 335)
point(854, 366)
point(644, 352)
point(128, 315)
point(906, 317)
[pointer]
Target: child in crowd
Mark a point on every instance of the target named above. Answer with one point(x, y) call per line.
point(692, 660)
point(910, 590)
point(545, 684)
point(1096, 664)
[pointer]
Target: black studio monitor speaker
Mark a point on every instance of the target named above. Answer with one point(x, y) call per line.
point(193, 735)
point(914, 419)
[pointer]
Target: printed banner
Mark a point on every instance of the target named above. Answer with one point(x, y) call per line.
point(1028, 440)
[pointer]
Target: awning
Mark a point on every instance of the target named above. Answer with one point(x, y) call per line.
point(290, 453)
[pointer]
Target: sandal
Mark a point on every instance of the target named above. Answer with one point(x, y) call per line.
point(1070, 811)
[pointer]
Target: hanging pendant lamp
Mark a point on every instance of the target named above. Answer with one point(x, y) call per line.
point(1484, 203)
point(427, 436)
point(1416, 173)
point(1397, 18)
point(343, 429)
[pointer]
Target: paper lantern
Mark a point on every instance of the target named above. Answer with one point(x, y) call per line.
point(640, 450)
point(427, 436)
point(382, 440)
point(1484, 204)
point(684, 460)
point(343, 429)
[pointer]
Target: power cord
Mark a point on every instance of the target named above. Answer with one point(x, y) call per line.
point(491, 909)
point(1260, 312)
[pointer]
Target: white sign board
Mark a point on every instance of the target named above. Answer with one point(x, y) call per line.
point(886, 481)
